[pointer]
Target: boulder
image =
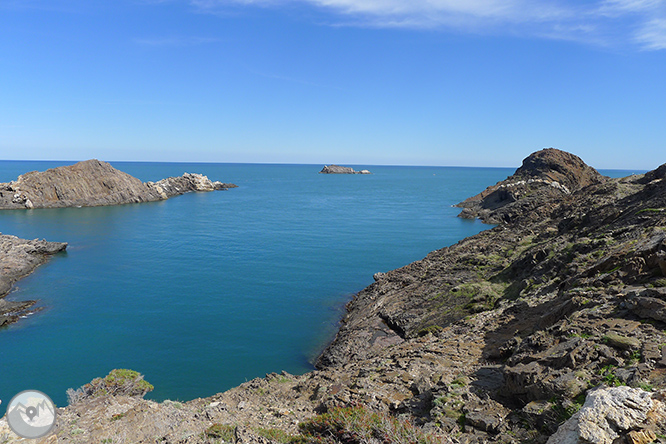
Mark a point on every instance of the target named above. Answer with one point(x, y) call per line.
point(610, 413)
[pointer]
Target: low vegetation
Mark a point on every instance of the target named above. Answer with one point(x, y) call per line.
point(119, 382)
point(357, 425)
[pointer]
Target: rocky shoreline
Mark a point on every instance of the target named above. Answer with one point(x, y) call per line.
point(18, 258)
point(548, 328)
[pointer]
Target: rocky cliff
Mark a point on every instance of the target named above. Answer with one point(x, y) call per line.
point(94, 183)
point(554, 319)
point(18, 258)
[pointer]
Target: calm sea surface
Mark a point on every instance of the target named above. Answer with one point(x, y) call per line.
point(207, 290)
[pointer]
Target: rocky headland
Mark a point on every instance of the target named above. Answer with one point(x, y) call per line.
point(544, 177)
point(337, 169)
point(548, 328)
point(18, 258)
point(94, 183)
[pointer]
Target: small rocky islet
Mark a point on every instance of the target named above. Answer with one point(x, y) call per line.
point(337, 169)
point(548, 328)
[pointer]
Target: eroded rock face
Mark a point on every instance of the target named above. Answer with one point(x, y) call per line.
point(94, 183)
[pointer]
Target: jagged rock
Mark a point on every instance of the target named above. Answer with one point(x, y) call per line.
point(337, 169)
point(94, 183)
point(544, 178)
point(565, 169)
point(622, 342)
point(378, 276)
point(487, 415)
point(656, 174)
point(648, 303)
point(610, 413)
point(641, 437)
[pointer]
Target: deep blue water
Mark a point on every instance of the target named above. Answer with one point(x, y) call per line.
point(207, 290)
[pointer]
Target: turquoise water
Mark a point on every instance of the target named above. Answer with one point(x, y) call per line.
point(207, 290)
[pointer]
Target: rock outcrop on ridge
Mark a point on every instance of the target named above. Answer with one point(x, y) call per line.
point(18, 258)
point(337, 169)
point(94, 183)
point(557, 314)
point(544, 177)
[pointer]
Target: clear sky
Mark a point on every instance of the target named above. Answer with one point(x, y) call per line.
point(406, 82)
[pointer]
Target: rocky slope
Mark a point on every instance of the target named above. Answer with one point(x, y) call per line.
point(555, 316)
point(94, 183)
point(18, 258)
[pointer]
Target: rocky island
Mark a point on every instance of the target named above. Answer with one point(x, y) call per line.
point(548, 328)
point(94, 183)
point(337, 169)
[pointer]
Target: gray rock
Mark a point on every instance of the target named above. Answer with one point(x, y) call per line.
point(337, 169)
point(622, 342)
point(608, 414)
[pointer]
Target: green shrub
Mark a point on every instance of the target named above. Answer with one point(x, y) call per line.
point(430, 329)
point(225, 432)
point(357, 425)
point(117, 416)
point(119, 382)
point(650, 210)
point(660, 283)
point(608, 376)
point(277, 435)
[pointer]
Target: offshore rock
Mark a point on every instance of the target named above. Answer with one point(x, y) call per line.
point(18, 258)
point(337, 169)
point(94, 183)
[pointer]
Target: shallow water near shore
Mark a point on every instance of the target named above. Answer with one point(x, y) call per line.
point(207, 290)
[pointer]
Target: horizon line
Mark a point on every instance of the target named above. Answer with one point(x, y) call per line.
point(641, 170)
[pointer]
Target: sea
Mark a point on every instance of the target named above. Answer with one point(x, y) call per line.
point(205, 291)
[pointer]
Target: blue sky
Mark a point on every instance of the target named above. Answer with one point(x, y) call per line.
point(419, 82)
